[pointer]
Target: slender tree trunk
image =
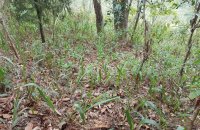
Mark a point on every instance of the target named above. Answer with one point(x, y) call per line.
point(128, 9)
point(99, 15)
point(9, 38)
point(194, 25)
point(147, 42)
point(39, 15)
point(68, 8)
point(6, 32)
point(121, 12)
point(139, 8)
point(136, 18)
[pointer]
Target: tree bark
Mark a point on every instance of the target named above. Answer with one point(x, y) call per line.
point(99, 15)
point(39, 15)
point(121, 12)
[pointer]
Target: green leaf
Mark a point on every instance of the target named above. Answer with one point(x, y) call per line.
point(2, 75)
point(194, 94)
point(15, 112)
point(129, 119)
point(197, 62)
point(9, 60)
point(151, 105)
point(180, 128)
point(102, 102)
point(67, 65)
point(23, 12)
point(46, 99)
point(80, 110)
point(43, 95)
point(150, 122)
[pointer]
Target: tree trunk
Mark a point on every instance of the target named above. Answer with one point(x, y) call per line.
point(6, 32)
point(121, 12)
point(99, 15)
point(194, 25)
point(139, 8)
point(147, 43)
point(39, 15)
point(10, 39)
point(136, 19)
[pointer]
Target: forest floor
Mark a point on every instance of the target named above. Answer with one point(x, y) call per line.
point(66, 84)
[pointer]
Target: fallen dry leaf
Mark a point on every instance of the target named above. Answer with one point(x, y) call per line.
point(6, 116)
point(134, 103)
point(37, 128)
point(32, 112)
point(50, 127)
point(103, 110)
point(93, 114)
point(87, 86)
point(29, 126)
point(96, 94)
point(2, 127)
point(3, 100)
point(100, 125)
point(65, 99)
point(110, 105)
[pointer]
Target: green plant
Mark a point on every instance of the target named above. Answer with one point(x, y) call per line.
point(146, 121)
point(129, 119)
point(43, 95)
point(17, 115)
point(180, 128)
point(2, 75)
point(121, 73)
point(82, 71)
point(195, 88)
point(150, 122)
point(99, 101)
point(100, 49)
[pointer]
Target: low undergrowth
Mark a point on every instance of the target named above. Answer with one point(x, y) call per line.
point(89, 81)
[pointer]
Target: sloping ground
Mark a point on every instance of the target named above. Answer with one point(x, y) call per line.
point(65, 90)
